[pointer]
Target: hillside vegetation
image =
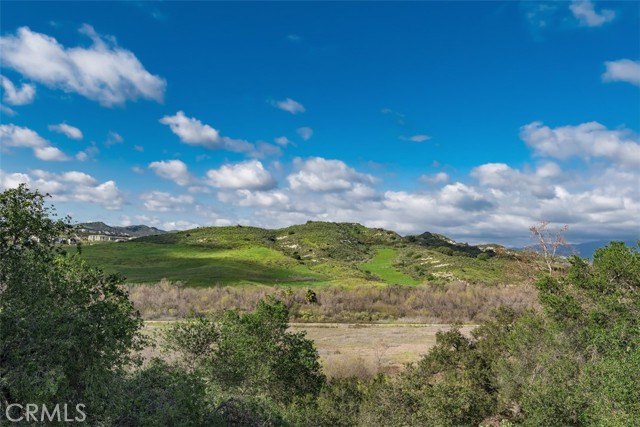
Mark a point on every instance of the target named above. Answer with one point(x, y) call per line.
point(312, 253)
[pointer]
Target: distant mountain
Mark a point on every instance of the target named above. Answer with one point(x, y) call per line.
point(130, 230)
point(586, 250)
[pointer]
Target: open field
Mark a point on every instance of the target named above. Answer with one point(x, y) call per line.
point(348, 349)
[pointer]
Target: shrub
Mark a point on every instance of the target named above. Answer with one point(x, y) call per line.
point(250, 352)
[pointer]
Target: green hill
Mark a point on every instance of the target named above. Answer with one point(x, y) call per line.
point(314, 253)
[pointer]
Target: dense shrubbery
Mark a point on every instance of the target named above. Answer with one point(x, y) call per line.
point(68, 332)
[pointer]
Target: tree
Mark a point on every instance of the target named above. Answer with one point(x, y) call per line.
point(548, 242)
point(250, 354)
point(67, 330)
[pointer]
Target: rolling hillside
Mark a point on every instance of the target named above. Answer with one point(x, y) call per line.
point(130, 230)
point(314, 253)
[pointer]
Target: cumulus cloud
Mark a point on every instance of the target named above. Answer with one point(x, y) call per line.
point(289, 105)
point(158, 201)
point(21, 137)
point(72, 186)
point(255, 199)
point(586, 141)
point(464, 197)
point(322, 175)
point(623, 70)
point(584, 11)
point(103, 72)
point(69, 131)
point(250, 175)
point(305, 133)
point(192, 131)
point(174, 170)
point(14, 96)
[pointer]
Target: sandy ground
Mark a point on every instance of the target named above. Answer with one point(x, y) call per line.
point(370, 348)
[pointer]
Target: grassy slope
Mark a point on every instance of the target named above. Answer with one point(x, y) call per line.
point(308, 254)
point(382, 265)
point(143, 262)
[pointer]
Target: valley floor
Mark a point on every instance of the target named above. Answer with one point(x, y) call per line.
point(363, 350)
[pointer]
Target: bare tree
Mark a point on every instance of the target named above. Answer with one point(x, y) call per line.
point(548, 241)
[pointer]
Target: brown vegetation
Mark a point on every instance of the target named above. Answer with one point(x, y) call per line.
point(445, 303)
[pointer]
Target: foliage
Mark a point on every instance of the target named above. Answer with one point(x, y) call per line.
point(66, 329)
point(250, 354)
point(575, 363)
point(164, 395)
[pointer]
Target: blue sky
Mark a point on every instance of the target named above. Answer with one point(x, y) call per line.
point(471, 119)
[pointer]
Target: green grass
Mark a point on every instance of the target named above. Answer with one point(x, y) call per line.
point(382, 265)
point(142, 262)
point(311, 254)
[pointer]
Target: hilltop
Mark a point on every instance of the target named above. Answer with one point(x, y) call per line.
point(311, 253)
point(130, 230)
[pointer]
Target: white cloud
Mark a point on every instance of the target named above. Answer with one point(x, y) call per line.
point(174, 170)
point(282, 140)
point(137, 169)
point(78, 178)
point(113, 138)
point(322, 175)
point(259, 199)
point(464, 197)
point(21, 137)
point(289, 105)
point(6, 110)
point(623, 70)
point(72, 186)
point(50, 154)
point(264, 149)
point(12, 180)
point(416, 138)
point(305, 133)
point(104, 72)
point(249, 175)
point(158, 201)
point(586, 140)
point(584, 11)
point(15, 96)
point(88, 153)
point(440, 177)
point(182, 225)
point(68, 130)
point(192, 131)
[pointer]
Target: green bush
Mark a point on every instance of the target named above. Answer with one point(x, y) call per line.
point(250, 353)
